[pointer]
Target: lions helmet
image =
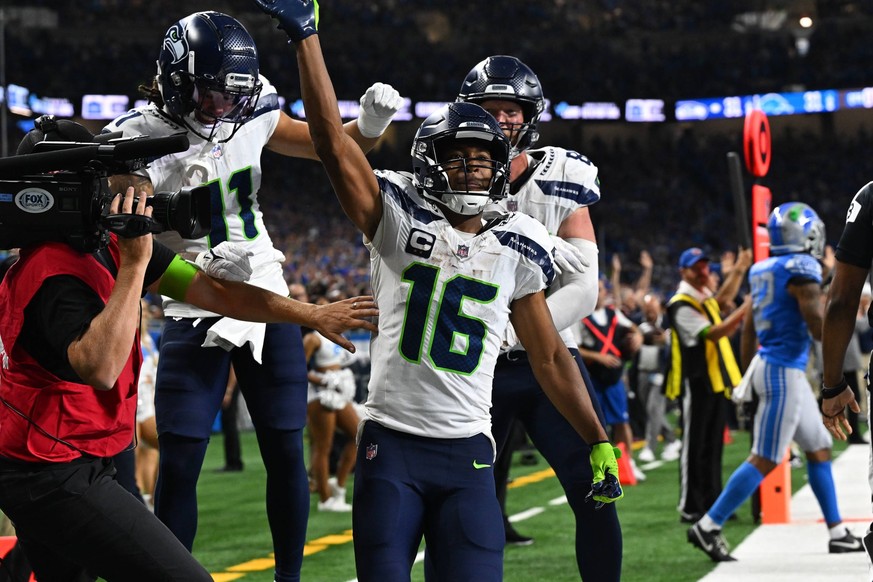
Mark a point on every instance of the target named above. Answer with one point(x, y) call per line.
point(208, 73)
point(453, 122)
point(795, 228)
point(507, 78)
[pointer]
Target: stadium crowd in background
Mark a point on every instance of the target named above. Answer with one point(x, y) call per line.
point(649, 176)
point(621, 49)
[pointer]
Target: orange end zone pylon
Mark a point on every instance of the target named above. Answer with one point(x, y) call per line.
point(625, 471)
point(776, 494)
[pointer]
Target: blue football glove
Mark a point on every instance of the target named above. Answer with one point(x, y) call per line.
point(298, 18)
point(605, 487)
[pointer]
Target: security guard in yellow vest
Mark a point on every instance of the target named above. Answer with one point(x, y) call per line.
point(703, 370)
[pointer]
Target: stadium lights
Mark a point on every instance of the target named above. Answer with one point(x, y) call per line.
point(21, 101)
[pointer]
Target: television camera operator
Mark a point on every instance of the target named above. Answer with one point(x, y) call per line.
point(70, 360)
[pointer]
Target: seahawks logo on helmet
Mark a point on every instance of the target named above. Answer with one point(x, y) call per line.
point(176, 44)
point(221, 86)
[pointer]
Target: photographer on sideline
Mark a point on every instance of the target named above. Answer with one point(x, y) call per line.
point(70, 360)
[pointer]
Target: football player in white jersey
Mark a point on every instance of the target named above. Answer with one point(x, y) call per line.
point(555, 186)
point(448, 282)
point(208, 85)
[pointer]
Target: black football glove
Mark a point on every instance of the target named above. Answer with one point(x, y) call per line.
point(298, 18)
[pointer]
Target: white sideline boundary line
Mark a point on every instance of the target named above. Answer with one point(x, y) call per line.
point(798, 551)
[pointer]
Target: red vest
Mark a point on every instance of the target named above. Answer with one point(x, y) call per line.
point(607, 340)
point(96, 422)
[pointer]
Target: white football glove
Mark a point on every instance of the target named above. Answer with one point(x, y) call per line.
point(228, 261)
point(510, 338)
point(378, 105)
point(568, 258)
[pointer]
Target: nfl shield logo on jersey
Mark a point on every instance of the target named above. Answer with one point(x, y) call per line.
point(217, 151)
point(512, 205)
point(371, 451)
point(463, 251)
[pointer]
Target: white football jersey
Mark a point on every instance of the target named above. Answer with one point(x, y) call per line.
point(231, 170)
point(560, 182)
point(445, 301)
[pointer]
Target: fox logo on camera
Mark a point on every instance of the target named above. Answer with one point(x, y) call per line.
point(34, 200)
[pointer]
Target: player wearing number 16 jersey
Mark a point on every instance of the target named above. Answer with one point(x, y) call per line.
point(208, 85)
point(448, 282)
point(786, 309)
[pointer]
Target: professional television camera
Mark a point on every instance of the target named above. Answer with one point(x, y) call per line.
point(60, 193)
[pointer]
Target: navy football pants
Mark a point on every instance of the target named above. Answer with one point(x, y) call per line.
point(518, 395)
point(407, 487)
point(191, 382)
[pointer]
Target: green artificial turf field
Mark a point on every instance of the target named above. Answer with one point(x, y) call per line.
point(233, 539)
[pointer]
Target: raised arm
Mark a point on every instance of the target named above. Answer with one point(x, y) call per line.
point(732, 281)
point(346, 165)
point(645, 281)
point(291, 137)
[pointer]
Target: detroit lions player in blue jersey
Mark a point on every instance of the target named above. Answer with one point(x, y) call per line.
point(786, 309)
point(555, 186)
point(208, 85)
point(449, 283)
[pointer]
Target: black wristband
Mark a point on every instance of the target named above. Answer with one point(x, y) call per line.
point(835, 391)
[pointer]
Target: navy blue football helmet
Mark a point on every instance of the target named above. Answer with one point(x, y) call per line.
point(208, 73)
point(452, 123)
point(795, 228)
point(507, 78)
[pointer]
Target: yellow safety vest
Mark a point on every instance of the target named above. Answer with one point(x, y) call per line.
point(710, 309)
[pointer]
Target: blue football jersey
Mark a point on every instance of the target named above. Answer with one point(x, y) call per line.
point(782, 331)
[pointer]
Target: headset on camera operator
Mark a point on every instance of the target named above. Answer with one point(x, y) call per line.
point(70, 359)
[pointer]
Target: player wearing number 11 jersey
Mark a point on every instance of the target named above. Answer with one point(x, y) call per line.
point(208, 86)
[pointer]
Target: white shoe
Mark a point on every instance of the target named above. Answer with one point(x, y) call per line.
point(638, 473)
point(334, 504)
point(646, 455)
point(672, 451)
point(335, 489)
